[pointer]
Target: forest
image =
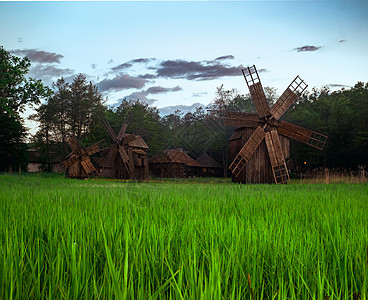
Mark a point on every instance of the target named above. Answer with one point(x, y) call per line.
point(78, 108)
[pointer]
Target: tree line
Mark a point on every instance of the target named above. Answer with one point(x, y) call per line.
point(78, 108)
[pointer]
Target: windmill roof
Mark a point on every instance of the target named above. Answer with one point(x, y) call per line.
point(207, 161)
point(135, 141)
point(174, 156)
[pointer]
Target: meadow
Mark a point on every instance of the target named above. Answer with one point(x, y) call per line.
point(104, 239)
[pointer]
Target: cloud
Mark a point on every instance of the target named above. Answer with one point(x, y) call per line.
point(141, 60)
point(258, 70)
point(167, 110)
point(147, 76)
point(337, 85)
point(162, 90)
point(142, 95)
point(307, 48)
point(225, 57)
point(121, 82)
point(48, 72)
point(199, 94)
point(122, 67)
point(130, 63)
point(39, 56)
point(195, 70)
point(183, 69)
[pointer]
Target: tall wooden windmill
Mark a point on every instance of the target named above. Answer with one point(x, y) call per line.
point(78, 163)
point(128, 157)
point(266, 126)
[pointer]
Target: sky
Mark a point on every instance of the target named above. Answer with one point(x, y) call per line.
point(176, 53)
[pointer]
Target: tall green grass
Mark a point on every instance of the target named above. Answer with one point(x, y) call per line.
point(69, 239)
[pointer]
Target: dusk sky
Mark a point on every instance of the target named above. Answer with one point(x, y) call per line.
point(176, 53)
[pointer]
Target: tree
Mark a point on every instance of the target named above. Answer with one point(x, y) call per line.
point(16, 93)
point(146, 122)
point(74, 108)
point(232, 100)
point(342, 116)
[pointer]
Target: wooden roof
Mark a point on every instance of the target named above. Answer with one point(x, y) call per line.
point(135, 141)
point(174, 156)
point(207, 161)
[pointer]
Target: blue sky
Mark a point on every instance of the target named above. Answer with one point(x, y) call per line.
point(176, 53)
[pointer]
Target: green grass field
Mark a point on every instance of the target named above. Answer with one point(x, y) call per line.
point(69, 239)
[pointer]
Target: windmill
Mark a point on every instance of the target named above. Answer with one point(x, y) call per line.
point(78, 163)
point(268, 126)
point(127, 157)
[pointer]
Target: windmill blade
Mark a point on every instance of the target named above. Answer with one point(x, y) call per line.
point(288, 97)
point(97, 147)
point(247, 151)
point(241, 119)
point(125, 158)
point(124, 126)
point(74, 144)
point(303, 135)
point(109, 130)
point(240, 122)
point(256, 91)
point(111, 155)
point(279, 169)
point(70, 161)
point(88, 167)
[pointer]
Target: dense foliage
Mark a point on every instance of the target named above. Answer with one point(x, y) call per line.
point(16, 94)
point(342, 115)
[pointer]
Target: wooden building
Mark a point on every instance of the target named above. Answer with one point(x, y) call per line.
point(38, 161)
point(134, 167)
point(78, 163)
point(258, 169)
point(259, 147)
point(210, 167)
point(173, 163)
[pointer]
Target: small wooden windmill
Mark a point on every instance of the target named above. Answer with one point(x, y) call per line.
point(265, 125)
point(127, 158)
point(78, 163)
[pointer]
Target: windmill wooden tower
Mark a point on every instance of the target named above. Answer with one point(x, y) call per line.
point(261, 158)
point(127, 158)
point(78, 163)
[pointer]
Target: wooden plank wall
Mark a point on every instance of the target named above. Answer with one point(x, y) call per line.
point(258, 169)
point(76, 171)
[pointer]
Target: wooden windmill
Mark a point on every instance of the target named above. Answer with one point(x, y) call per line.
point(78, 163)
point(266, 126)
point(127, 158)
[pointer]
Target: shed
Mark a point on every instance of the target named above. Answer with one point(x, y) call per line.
point(210, 167)
point(173, 163)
